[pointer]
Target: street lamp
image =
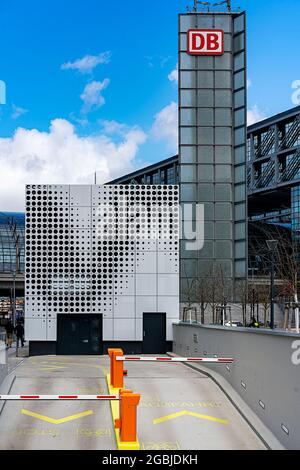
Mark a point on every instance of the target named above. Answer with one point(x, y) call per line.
point(272, 246)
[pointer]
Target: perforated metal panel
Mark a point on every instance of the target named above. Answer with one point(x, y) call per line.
point(110, 250)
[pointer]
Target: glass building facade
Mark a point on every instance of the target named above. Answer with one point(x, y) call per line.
point(12, 226)
point(212, 149)
point(295, 213)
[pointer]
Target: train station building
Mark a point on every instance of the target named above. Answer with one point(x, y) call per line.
point(241, 181)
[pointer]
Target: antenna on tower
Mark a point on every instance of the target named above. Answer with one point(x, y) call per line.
point(227, 2)
point(198, 3)
point(206, 4)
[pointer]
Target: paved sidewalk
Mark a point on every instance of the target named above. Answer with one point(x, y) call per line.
point(13, 360)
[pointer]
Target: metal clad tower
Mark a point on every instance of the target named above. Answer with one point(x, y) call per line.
point(212, 142)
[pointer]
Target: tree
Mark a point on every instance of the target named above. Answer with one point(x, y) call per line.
point(286, 262)
point(189, 295)
point(202, 290)
point(242, 295)
point(263, 292)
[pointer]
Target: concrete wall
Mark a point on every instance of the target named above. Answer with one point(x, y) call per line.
point(263, 373)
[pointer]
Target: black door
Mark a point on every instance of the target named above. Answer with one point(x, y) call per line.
point(79, 334)
point(154, 325)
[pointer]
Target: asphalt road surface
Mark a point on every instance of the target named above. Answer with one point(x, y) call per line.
point(180, 408)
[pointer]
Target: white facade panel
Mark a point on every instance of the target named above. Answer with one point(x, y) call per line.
point(146, 284)
point(108, 329)
point(35, 329)
point(80, 217)
point(51, 329)
point(168, 284)
point(169, 305)
point(124, 306)
point(96, 250)
point(80, 195)
point(168, 262)
point(124, 285)
point(124, 329)
point(145, 304)
point(139, 329)
point(146, 262)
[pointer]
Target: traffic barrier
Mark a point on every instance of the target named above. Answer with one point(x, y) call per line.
point(117, 371)
point(127, 421)
point(59, 397)
point(212, 360)
point(117, 360)
point(125, 414)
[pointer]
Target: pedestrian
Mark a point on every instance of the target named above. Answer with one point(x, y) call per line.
point(254, 323)
point(9, 327)
point(19, 330)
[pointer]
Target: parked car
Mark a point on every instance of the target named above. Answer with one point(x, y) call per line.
point(234, 324)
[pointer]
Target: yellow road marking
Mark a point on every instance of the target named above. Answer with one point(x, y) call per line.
point(104, 369)
point(160, 446)
point(189, 413)
point(56, 421)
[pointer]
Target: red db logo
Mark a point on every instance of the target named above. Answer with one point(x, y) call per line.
point(206, 41)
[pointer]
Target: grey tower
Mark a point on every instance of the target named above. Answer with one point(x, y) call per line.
point(212, 143)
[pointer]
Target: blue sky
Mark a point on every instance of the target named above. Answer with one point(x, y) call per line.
point(138, 43)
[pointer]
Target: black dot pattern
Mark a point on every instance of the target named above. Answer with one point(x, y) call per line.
point(110, 250)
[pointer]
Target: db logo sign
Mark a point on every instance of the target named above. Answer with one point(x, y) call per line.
point(206, 41)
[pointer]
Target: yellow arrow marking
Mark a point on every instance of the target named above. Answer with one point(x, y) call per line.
point(56, 421)
point(189, 413)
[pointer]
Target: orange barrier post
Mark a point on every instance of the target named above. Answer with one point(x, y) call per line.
point(127, 421)
point(117, 371)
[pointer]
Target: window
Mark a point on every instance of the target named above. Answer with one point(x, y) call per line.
point(205, 117)
point(188, 117)
point(223, 117)
point(188, 79)
point(156, 178)
point(205, 135)
point(171, 176)
point(205, 172)
point(223, 154)
point(188, 154)
point(205, 79)
point(223, 173)
point(223, 80)
point(223, 135)
point(188, 98)
point(223, 98)
point(188, 173)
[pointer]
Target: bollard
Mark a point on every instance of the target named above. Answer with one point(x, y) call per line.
point(127, 421)
point(117, 371)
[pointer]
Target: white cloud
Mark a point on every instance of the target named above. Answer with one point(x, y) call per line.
point(87, 63)
point(18, 111)
point(114, 127)
point(165, 126)
point(173, 76)
point(254, 115)
point(92, 95)
point(61, 156)
point(249, 83)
